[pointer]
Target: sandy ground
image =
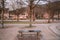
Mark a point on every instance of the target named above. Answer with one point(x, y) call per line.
point(49, 31)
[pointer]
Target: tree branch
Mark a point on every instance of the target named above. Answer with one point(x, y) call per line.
point(36, 4)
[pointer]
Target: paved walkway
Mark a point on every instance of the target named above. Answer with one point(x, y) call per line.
point(48, 31)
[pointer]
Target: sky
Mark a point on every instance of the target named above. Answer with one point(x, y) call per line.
point(10, 3)
point(53, 0)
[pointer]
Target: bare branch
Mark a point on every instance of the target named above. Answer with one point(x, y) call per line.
point(13, 5)
point(36, 4)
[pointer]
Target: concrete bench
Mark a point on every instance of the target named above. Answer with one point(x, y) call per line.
point(30, 32)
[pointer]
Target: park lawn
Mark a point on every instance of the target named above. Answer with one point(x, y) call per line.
point(22, 22)
point(15, 22)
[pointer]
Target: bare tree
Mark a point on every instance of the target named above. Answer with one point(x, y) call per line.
point(31, 7)
point(53, 7)
point(48, 9)
point(19, 8)
point(2, 14)
point(19, 11)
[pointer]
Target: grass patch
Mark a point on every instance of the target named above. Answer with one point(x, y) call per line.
point(15, 22)
point(30, 27)
point(22, 22)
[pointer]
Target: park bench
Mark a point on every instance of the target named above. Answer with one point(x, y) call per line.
point(30, 34)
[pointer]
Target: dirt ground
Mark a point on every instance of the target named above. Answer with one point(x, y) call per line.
point(48, 31)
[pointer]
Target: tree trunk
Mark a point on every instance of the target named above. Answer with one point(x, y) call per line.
point(17, 17)
point(33, 15)
point(30, 22)
point(9, 15)
point(58, 15)
point(49, 17)
point(2, 19)
point(52, 17)
point(30, 18)
point(48, 20)
point(2, 14)
point(31, 6)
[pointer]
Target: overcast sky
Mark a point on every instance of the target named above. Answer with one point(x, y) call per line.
point(53, 0)
point(13, 2)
